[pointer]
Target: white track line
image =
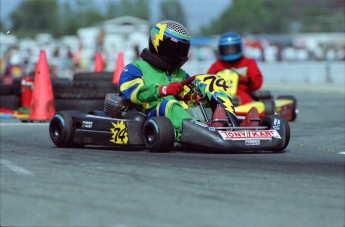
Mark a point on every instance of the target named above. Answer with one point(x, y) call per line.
point(15, 168)
point(343, 152)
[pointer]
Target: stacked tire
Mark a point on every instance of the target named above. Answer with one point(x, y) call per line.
point(85, 92)
point(10, 97)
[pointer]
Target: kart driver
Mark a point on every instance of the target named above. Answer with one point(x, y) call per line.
point(155, 79)
point(230, 49)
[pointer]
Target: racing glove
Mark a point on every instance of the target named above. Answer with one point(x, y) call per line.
point(173, 88)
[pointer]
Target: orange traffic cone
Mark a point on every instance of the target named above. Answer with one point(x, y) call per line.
point(99, 63)
point(42, 103)
point(118, 68)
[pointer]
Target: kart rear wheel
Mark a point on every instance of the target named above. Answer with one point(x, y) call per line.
point(294, 105)
point(282, 126)
point(159, 135)
point(61, 129)
point(270, 106)
point(261, 95)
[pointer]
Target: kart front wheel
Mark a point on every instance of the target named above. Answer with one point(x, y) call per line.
point(159, 134)
point(61, 129)
point(281, 125)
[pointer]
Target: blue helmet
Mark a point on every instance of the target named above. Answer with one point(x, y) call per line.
point(230, 46)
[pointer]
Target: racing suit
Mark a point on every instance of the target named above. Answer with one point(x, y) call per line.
point(140, 82)
point(250, 76)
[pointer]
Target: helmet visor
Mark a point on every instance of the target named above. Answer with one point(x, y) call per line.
point(174, 53)
point(175, 48)
point(232, 49)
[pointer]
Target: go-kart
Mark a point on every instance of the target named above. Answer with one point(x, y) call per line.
point(214, 125)
point(284, 105)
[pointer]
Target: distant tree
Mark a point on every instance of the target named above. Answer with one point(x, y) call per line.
point(135, 8)
point(338, 21)
point(279, 16)
point(74, 15)
point(33, 16)
point(319, 18)
point(172, 10)
point(68, 20)
point(112, 9)
point(87, 14)
point(248, 16)
point(3, 28)
point(66, 17)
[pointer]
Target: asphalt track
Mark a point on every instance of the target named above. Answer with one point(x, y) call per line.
point(42, 185)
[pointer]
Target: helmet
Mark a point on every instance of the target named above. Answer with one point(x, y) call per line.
point(230, 46)
point(170, 41)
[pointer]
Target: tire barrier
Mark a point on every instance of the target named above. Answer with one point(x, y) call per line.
point(82, 89)
point(97, 76)
point(9, 102)
point(8, 97)
point(84, 105)
point(6, 89)
point(85, 92)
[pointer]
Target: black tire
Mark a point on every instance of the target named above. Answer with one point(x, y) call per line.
point(283, 128)
point(61, 129)
point(17, 86)
point(159, 135)
point(6, 89)
point(96, 76)
point(270, 106)
point(84, 105)
point(261, 94)
point(294, 103)
point(82, 89)
point(10, 102)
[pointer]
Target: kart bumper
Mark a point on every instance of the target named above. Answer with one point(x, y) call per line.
point(199, 135)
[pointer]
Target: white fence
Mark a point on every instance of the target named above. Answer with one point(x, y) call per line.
point(294, 72)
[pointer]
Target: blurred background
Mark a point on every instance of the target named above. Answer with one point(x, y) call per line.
point(276, 32)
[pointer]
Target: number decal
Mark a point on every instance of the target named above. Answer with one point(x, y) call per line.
point(231, 78)
point(120, 135)
point(215, 84)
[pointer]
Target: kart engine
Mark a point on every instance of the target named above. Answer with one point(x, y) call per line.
point(114, 105)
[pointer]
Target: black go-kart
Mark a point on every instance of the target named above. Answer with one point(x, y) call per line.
point(214, 127)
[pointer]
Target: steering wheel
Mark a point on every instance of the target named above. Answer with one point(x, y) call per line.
point(189, 96)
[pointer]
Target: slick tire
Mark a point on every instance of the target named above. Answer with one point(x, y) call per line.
point(270, 106)
point(282, 126)
point(84, 105)
point(83, 89)
point(96, 76)
point(261, 94)
point(6, 89)
point(159, 135)
point(61, 129)
point(294, 105)
point(10, 102)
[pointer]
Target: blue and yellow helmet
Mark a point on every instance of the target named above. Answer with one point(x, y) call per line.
point(170, 41)
point(230, 46)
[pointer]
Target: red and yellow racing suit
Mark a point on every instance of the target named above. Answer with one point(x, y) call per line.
point(244, 67)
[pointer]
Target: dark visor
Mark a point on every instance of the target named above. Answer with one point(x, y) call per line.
point(230, 49)
point(179, 49)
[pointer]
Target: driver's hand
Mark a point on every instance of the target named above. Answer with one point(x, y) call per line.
point(244, 80)
point(174, 88)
